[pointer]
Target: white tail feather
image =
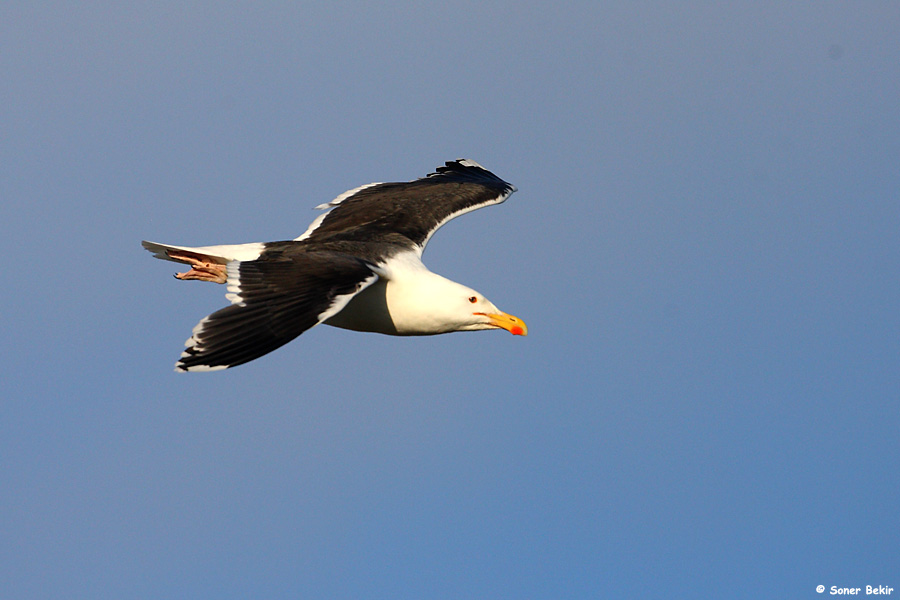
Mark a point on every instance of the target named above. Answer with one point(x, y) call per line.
point(215, 254)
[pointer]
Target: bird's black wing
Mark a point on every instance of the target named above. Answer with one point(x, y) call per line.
point(274, 299)
point(409, 213)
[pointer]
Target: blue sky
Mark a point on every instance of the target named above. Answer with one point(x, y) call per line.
point(704, 245)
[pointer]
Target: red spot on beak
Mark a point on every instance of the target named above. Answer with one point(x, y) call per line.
point(516, 330)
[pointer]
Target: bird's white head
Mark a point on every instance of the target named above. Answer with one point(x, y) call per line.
point(423, 303)
point(484, 315)
point(444, 306)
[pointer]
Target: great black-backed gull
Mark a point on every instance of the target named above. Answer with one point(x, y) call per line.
point(358, 266)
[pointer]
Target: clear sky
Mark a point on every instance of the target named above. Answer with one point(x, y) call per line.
point(704, 245)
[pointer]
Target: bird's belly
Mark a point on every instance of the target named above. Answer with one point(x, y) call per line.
point(367, 311)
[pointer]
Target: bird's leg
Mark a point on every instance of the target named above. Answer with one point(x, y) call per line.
point(202, 270)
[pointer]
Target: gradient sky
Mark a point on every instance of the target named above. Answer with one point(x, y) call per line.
point(704, 245)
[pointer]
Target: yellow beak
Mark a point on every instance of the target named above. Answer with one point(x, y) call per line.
point(514, 325)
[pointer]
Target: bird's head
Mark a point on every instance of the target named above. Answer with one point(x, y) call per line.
point(434, 304)
point(482, 314)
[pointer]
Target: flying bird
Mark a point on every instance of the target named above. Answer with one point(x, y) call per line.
point(358, 266)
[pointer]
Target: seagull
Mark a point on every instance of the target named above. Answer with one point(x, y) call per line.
point(358, 266)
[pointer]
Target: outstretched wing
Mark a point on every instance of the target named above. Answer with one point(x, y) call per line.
point(274, 299)
point(409, 213)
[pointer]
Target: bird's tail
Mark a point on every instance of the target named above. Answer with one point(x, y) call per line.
point(221, 255)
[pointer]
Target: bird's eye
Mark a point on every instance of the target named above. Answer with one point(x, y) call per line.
point(473, 299)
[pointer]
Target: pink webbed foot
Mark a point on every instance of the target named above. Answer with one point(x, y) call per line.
point(202, 270)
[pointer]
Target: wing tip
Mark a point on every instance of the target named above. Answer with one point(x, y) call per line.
point(183, 365)
point(472, 171)
point(193, 351)
point(180, 367)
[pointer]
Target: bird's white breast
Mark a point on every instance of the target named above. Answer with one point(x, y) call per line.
point(408, 299)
